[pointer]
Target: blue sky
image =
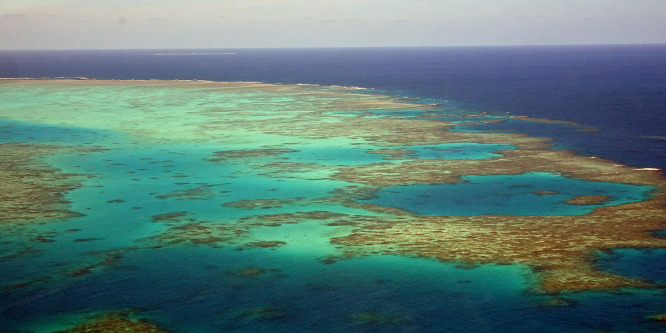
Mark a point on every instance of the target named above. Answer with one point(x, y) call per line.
point(113, 24)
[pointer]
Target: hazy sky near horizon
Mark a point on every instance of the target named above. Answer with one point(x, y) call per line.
point(132, 24)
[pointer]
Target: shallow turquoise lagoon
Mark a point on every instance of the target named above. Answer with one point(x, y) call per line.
point(507, 195)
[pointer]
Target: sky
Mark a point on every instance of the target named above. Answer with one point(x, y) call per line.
point(151, 24)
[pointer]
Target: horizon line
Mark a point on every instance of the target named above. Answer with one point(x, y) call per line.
point(340, 47)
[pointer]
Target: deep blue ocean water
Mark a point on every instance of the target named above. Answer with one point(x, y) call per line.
point(621, 90)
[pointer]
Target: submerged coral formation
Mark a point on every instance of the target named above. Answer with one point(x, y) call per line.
point(115, 322)
point(33, 191)
point(378, 318)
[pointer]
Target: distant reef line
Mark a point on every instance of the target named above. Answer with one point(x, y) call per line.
point(61, 79)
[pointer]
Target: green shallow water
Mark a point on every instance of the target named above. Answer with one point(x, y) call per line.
point(160, 145)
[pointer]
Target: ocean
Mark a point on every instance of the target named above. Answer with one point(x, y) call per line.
point(204, 211)
point(617, 89)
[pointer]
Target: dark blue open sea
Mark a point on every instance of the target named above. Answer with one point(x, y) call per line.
point(616, 95)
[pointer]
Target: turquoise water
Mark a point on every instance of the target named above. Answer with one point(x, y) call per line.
point(341, 155)
point(332, 155)
point(507, 195)
point(18, 131)
point(457, 150)
point(202, 288)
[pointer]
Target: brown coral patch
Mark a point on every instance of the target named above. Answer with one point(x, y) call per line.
point(261, 313)
point(253, 272)
point(169, 217)
point(108, 258)
point(115, 322)
point(378, 318)
point(201, 233)
point(551, 302)
point(267, 244)
point(588, 200)
point(247, 153)
point(545, 192)
point(27, 283)
point(188, 231)
point(188, 194)
point(580, 127)
point(292, 218)
point(392, 153)
point(262, 203)
point(31, 190)
point(278, 203)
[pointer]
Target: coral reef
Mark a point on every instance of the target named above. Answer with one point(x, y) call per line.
point(378, 318)
point(115, 322)
point(588, 200)
point(31, 190)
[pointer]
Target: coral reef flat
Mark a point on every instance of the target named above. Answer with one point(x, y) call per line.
point(32, 190)
point(239, 206)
